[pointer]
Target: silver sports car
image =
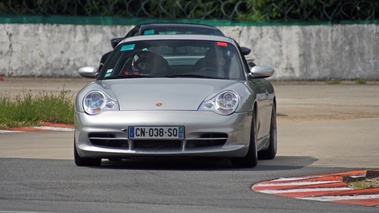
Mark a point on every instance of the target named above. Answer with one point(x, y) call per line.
point(176, 95)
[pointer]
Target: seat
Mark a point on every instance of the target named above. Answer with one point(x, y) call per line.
point(160, 66)
point(199, 65)
point(214, 64)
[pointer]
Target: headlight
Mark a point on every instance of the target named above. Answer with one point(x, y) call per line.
point(224, 103)
point(95, 102)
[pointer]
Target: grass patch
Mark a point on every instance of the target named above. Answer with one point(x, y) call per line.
point(361, 81)
point(364, 184)
point(334, 82)
point(30, 110)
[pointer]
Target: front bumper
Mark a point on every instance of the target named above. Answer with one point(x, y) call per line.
point(207, 134)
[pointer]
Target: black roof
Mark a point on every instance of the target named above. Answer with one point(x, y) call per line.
point(191, 27)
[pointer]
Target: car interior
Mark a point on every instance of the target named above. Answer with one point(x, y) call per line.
point(173, 59)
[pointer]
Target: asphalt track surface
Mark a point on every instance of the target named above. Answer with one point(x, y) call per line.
point(319, 125)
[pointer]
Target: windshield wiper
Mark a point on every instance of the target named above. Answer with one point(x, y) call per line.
point(189, 76)
point(169, 76)
point(129, 76)
point(193, 76)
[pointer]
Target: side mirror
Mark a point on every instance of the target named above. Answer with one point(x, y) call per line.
point(245, 50)
point(88, 71)
point(115, 41)
point(250, 61)
point(261, 71)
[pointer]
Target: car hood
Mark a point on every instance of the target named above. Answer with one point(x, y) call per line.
point(164, 94)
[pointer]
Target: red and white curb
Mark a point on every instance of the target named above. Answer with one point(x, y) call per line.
point(46, 127)
point(324, 187)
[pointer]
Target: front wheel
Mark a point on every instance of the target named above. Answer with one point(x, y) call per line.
point(79, 161)
point(251, 158)
point(270, 152)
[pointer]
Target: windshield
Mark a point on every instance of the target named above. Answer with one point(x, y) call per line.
point(174, 59)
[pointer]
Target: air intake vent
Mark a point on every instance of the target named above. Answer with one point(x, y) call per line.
point(208, 140)
point(108, 140)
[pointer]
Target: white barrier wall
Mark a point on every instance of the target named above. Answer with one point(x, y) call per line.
point(296, 52)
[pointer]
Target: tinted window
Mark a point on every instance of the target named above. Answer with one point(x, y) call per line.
point(181, 30)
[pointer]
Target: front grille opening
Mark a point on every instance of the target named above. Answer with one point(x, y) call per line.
point(101, 135)
point(107, 140)
point(214, 135)
point(214, 139)
point(157, 144)
point(110, 143)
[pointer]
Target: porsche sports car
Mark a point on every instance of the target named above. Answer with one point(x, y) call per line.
point(169, 28)
point(172, 28)
point(172, 96)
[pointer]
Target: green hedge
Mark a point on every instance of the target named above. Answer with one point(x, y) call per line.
point(235, 10)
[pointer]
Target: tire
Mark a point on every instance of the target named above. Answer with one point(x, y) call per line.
point(270, 152)
point(251, 159)
point(79, 161)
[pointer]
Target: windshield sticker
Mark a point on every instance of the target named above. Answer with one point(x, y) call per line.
point(149, 32)
point(127, 47)
point(109, 73)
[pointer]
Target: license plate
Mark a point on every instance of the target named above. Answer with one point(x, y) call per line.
point(148, 132)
